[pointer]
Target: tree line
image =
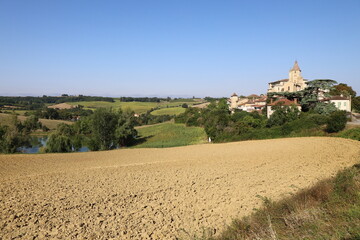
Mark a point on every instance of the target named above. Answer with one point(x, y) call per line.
point(33, 103)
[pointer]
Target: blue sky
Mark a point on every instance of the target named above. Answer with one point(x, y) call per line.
point(174, 47)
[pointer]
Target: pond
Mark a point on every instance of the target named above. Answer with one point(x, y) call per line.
point(36, 142)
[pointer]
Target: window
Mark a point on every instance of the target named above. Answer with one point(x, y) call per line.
point(339, 104)
point(344, 104)
point(289, 88)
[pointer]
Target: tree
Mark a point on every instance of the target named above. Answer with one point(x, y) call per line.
point(12, 137)
point(356, 104)
point(282, 115)
point(342, 89)
point(125, 132)
point(315, 90)
point(62, 140)
point(337, 122)
point(184, 105)
point(103, 124)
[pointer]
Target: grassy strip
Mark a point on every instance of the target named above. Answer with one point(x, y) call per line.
point(138, 107)
point(328, 210)
point(168, 111)
point(169, 135)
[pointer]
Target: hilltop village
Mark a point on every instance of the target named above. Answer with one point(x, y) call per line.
point(276, 96)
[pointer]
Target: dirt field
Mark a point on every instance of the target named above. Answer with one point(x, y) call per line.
point(157, 193)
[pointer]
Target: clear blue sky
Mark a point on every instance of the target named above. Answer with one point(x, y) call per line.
point(174, 47)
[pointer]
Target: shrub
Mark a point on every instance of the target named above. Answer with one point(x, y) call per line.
point(351, 133)
point(336, 122)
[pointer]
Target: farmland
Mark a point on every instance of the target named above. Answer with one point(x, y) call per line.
point(168, 111)
point(137, 107)
point(169, 135)
point(5, 119)
point(158, 193)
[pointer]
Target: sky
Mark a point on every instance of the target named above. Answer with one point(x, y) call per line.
point(177, 48)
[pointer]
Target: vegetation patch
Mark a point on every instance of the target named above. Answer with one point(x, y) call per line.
point(169, 135)
point(169, 111)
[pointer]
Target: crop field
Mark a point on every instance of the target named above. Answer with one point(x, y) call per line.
point(170, 135)
point(169, 111)
point(138, 107)
point(5, 119)
point(166, 193)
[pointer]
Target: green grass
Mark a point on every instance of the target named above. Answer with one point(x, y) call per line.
point(328, 210)
point(170, 135)
point(5, 119)
point(138, 107)
point(168, 111)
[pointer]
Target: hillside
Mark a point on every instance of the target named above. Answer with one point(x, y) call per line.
point(51, 124)
point(158, 193)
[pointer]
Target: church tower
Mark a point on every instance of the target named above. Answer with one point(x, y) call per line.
point(295, 74)
point(296, 81)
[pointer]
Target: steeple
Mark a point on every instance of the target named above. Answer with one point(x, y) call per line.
point(295, 67)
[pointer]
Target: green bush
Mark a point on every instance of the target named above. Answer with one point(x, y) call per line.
point(351, 133)
point(336, 122)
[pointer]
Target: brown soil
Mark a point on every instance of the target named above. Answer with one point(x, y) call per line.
point(157, 193)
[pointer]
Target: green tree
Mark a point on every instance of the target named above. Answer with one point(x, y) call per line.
point(356, 104)
point(314, 91)
point(337, 121)
point(125, 132)
point(103, 124)
point(62, 140)
point(282, 115)
point(342, 89)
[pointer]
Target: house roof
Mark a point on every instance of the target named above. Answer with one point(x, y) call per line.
point(296, 67)
point(284, 102)
point(263, 99)
point(234, 95)
point(253, 96)
point(336, 98)
point(282, 80)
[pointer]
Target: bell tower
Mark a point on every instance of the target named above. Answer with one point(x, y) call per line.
point(295, 74)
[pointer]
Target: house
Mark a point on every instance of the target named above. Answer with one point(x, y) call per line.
point(281, 102)
point(294, 83)
point(250, 103)
point(341, 102)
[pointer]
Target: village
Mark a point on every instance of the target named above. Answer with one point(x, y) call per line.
point(295, 83)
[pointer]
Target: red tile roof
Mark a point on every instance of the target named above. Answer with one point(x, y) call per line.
point(284, 102)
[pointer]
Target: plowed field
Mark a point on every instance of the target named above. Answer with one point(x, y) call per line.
point(157, 193)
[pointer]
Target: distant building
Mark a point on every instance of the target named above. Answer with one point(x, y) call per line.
point(249, 104)
point(341, 102)
point(281, 102)
point(294, 83)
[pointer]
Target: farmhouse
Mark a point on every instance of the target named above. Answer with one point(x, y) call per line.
point(281, 102)
point(341, 102)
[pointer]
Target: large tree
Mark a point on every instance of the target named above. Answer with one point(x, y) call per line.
point(342, 89)
point(315, 90)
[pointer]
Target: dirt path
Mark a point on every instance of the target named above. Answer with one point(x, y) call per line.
point(157, 193)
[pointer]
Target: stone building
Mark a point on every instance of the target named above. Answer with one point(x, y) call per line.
point(294, 83)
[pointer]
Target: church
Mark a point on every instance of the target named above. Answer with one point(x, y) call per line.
point(294, 83)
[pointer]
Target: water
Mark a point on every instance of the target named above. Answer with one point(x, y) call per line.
point(37, 142)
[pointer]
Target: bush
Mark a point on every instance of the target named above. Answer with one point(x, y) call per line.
point(337, 122)
point(351, 133)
